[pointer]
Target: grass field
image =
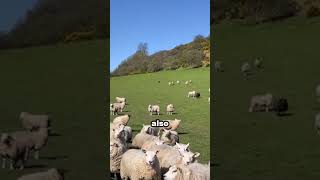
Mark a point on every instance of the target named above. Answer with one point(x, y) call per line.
point(261, 145)
point(144, 89)
point(69, 82)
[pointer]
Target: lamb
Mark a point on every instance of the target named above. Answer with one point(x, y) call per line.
point(146, 165)
point(117, 149)
point(246, 69)
point(119, 106)
point(124, 119)
point(154, 109)
point(170, 109)
point(170, 137)
point(114, 109)
point(34, 140)
point(173, 124)
point(191, 94)
point(317, 123)
point(121, 99)
point(141, 138)
point(261, 102)
point(51, 174)
point(12, 150)
point(32, 121)
point(218, 66)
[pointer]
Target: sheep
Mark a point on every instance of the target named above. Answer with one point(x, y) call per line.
point(186, 83)
point(178, 82)
point(170, 109)
point(182, 147)
point(154, 108)
point(124, 119)
point(191, 94)
point(114, 109)
point(140, 164)
point(121, 99)
point(34, 140)
point(317, 123)
point(246, 69)
point(152, 142)
point(261, 102)
point(51, 174)
point(173, 124)
point(32, 121)
point(169, 156)
point(151, 130)
point(116, 133)
point(170, 137)
point(117, 149)
point(12, 150)
point(141, 138)
point(218, 66)
point(171, 83)
point(119, 106)
point(194, 171)
point(257, 63)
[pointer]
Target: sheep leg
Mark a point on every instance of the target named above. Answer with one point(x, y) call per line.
point(36, 154)
point(3, 163)
point(11, 164)
point(26, 155)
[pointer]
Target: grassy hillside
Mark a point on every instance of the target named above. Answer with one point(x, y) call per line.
point(67, 81)
point(141, 90)
point(262, 145)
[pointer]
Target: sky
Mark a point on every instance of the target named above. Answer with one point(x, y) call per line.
point(11, 11)
point(163, 24)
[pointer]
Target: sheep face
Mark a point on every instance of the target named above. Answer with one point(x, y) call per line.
point(117, 131)
point(151, 156)
point(189, 157)
point(172, 173)
point(182, 147)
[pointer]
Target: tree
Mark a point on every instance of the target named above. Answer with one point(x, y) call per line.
point(143, 48)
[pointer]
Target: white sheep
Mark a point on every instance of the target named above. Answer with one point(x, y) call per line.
point(261, 102)
point(51, 174)
point(178, 82)
point(34, 121)
point(152, 142)
point(154, 109)
point(170, 109)
point(121, 99)
point(114, 110)
point(119, 106)
point(182, 147)
point(191, 94)
point(124, 119)
point(140, 164)
point(117, 149)
point(142, 137)
point(173, 124)
point(194, 171)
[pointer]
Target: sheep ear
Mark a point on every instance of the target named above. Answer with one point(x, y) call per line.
point(197, 154)
point(157, 151)
point(143, 150)
point(187, 145)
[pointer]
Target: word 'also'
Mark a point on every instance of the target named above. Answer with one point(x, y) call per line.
point(159, 123)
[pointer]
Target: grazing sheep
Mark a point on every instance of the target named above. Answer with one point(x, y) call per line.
point(121, 99)
point(34, 140)
point(170, 137)
point(140, 164)
point(173, 124)
point(119, 106)
point(246, 69)
point(114, 110)
point(117, 149)
point(170, 109)
point(261, 103)
point(124, 119)
point(32, 121)
point(51, 174)
point(258, 63)
point(154, 109)
point(191, 94)
point(13, 151)
point(218, 66)
point(317, 123)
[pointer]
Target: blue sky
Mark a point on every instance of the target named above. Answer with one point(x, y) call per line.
point(163, 24)
point(11, 11)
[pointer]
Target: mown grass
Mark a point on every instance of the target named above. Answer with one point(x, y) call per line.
point(261, 145)
point(144, 89)
point(69, 82)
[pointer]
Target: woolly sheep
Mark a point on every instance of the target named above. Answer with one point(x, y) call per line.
point(141, 138)
point(173, 124)
point(51, 174)
point(119, 106)
point(152, 142)
point(117, 149)
point(13, 151)
point(191, 94)
point(116, 133)
point(121, 99)
point(170, 137)
point(32, 121)
point(194, 171)
point(34, 140)
point(124, 119)
point(261, 102)
point(154, 109)
point(140, 164)
point(182, 147)
point(170, 109)
point(151, 130)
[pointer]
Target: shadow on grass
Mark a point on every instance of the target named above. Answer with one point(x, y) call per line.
point(285, 114)
point(183, 133)
point(36, 166)
point(54, 134)
point(54, 157)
